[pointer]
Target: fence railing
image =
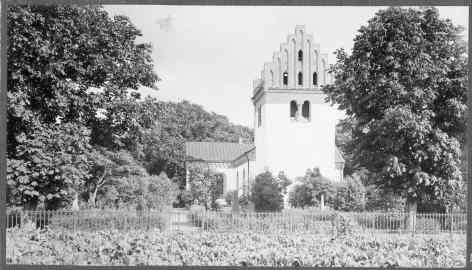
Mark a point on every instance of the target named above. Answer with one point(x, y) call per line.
point(313, 222)
point(90, 219)
point(329, 222)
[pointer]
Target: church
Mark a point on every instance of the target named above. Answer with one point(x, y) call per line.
point(294, 127)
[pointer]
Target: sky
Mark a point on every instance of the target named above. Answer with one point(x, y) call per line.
point(210, 55)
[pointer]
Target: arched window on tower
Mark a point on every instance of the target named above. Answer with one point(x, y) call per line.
point(285, 78)
point(293, 109)
point(300, 78)
point(315, 78)
point(300, 55)
point(306, 110)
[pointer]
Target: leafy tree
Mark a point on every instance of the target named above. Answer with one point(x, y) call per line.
point(405, 86)
point(108, 168)
point(49, 166)
point(66, 65)
point(179, 122)
point(266, 193)
point(57, 54)
point(300, 196)
point(127, 124)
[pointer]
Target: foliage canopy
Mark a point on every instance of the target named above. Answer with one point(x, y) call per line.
point(404, 87)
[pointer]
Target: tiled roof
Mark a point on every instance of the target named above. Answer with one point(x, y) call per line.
point(226, 152)
point(215, 151)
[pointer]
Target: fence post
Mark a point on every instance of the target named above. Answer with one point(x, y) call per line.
point(373, 222)
point(202, 220)
point(74, 217)
point(452, 223)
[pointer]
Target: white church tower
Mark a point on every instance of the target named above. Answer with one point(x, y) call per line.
point(294, 126)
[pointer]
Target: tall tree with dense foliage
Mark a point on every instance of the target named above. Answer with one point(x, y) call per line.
point(266, 193)
point(66, 64)
point(50, 164)
point(405, 85)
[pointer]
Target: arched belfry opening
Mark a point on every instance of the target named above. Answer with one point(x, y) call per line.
point(315, 78)
point(293, 109)
point(300, 78)
point(306, 110)
point(300, 55)
point(285, 78)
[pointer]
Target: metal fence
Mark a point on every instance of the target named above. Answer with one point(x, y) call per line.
point(331, 222)
point(90, 219)
point(319, 222)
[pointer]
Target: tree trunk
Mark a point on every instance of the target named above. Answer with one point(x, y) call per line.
point(410, 221)
point(93, 197)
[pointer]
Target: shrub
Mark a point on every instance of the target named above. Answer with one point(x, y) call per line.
point(206, 186)
point(266, 194)
point(350, 195)
point(185, 197)
point(311, 188)
point(161, 192)
point(301, 196)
